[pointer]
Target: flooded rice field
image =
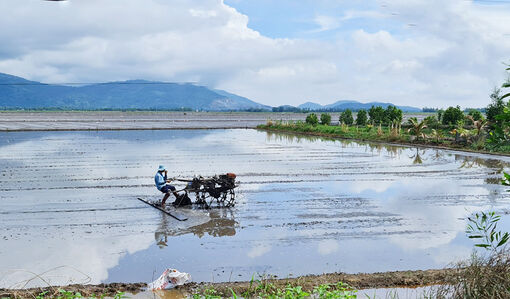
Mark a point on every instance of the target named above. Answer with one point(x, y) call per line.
point(69, 210)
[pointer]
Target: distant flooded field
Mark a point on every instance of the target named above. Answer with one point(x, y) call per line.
point(145, 120)
point(68, 205)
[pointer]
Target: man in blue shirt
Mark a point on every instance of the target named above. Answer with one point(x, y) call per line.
point(161, 181)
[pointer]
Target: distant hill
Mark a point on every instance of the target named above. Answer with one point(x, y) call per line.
point(354, 106)
point(16, 92)
point(310, 106)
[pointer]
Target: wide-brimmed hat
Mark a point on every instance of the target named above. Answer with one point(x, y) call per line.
point(161, 168)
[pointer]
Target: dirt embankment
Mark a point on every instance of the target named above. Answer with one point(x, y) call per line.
point(308, 282)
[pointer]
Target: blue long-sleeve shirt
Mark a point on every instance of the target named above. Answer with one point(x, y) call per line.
point(160, 180)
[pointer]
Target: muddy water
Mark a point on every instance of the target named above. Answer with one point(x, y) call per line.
point(68, 208)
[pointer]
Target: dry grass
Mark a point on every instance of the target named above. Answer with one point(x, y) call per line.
point(482, 276)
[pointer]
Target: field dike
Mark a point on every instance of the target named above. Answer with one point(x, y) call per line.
point(408, 279)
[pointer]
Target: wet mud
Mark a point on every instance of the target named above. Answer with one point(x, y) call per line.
point(305, 206)
point(400, 279)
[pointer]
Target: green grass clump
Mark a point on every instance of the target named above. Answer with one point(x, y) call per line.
point(64, 294)
point(265, 289)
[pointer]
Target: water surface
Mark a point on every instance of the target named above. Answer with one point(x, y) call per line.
point(305, 206)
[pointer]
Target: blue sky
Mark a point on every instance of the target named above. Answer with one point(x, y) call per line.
point(298, 19)
point(431, 53)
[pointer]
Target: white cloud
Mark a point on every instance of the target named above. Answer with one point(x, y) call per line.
point(443, 53)
point(258, 250)
point(327, 23)
point(326, 247)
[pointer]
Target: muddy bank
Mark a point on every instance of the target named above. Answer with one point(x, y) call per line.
point(398, 279)
point(85, 290)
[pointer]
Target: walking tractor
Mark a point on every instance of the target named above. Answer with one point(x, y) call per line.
point(219, 189)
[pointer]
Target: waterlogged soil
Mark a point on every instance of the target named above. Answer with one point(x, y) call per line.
point(305, 206)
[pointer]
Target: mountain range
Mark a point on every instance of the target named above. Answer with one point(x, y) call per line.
point(16, 92)
point(19, 93)
point(353, 105)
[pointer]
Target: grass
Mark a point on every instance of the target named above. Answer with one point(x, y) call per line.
point(265, 289)
point(482, 276)
point(65, 294)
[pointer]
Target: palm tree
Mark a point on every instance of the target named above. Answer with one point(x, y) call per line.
point(417, 127)
point(479, 124)
point(437, 135)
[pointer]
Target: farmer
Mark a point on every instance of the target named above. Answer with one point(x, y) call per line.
point(161, 181)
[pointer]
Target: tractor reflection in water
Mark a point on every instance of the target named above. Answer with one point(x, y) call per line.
point(221, 223)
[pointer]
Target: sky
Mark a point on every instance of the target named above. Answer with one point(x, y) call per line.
point(433, 53)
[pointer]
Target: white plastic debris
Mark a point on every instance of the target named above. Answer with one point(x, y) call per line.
point(169, 279)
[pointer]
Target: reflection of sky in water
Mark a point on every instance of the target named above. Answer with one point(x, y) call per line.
point(306, 205)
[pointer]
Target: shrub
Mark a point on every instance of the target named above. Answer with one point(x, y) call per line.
point(325, 119)
point(452, 116)
point(361, 118)
point(346, 117)
point(312, 119)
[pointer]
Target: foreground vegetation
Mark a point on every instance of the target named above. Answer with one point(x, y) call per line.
point(266, 289)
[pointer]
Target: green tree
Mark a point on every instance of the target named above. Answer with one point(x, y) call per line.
point(376, 115)
point(506, 85)
point(361, 118)
point(392, 115)
point(452, 116)
point(495, 107)
point(475, 114)
point(312, 119)
point(499, 134)
point(325, 119)
point(440, 113)
point(346, 117)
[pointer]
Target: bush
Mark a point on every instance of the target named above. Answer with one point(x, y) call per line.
point(452, 116)
point(346, 117)
point(312, 119)
point(325, 119)
point(361, 118)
